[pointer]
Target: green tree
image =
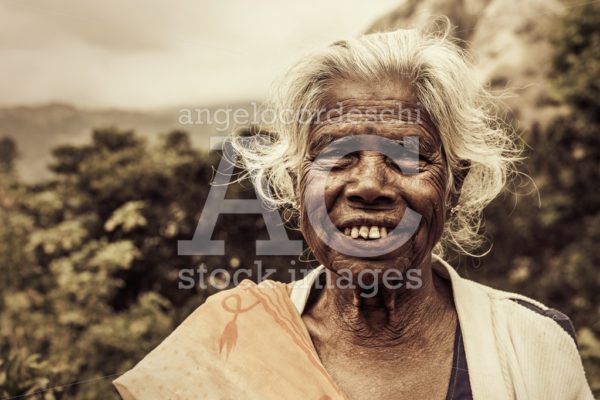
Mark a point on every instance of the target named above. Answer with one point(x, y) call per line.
point(90, 265)
point(8, 154)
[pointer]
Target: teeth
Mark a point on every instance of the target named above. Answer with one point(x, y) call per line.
point(364, 232)
point(374, 232)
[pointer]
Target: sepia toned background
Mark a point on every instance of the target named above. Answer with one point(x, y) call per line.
point(99, 179)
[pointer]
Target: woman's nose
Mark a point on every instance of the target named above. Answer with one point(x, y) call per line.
point(369, 187)
point(368, 192)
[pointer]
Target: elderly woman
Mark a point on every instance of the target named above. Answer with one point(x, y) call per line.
point(390, 157)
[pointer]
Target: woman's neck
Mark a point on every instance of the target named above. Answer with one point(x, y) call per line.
point(385, 317)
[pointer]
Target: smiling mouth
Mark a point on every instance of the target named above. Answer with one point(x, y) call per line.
point(364, 232)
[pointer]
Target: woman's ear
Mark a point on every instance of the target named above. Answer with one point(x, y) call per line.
point(459, 174)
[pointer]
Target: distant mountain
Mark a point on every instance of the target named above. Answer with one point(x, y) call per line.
point(510, 40)
point(37, 129)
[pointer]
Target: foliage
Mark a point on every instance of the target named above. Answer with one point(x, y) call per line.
point(89, 264)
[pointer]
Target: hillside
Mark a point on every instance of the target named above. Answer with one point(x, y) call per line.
point(510, 41)
point(37, 129)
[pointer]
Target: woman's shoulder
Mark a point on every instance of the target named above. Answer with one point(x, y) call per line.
point(519, 307)
point(247, 287)
point(536, 344)
point(233, 332)
point(522, 315)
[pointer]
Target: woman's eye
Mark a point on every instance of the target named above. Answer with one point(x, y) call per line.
point(334, 159)
point(410, 164)
point(333, 154)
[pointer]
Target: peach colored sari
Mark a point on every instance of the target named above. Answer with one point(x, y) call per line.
point(245, 343)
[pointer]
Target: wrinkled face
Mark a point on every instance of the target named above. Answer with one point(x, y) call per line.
point(366, 193)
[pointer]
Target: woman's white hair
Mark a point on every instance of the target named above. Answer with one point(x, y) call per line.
point(441, 77)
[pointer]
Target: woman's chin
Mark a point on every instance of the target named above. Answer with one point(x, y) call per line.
point(354, 266)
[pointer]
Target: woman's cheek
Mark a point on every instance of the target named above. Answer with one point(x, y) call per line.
point(430, 198)
point(314, 242)
point(318, 189)
point(318, 186)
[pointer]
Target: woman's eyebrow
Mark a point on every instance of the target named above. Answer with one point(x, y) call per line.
point(321, 141)
point(425, 146)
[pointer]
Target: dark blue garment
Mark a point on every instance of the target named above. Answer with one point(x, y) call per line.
point(459, 387)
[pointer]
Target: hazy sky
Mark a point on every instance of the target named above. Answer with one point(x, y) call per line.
point(153, 54)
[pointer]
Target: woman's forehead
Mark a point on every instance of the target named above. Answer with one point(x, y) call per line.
point(384, 129)
point(379, 107)
point(399, 89)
